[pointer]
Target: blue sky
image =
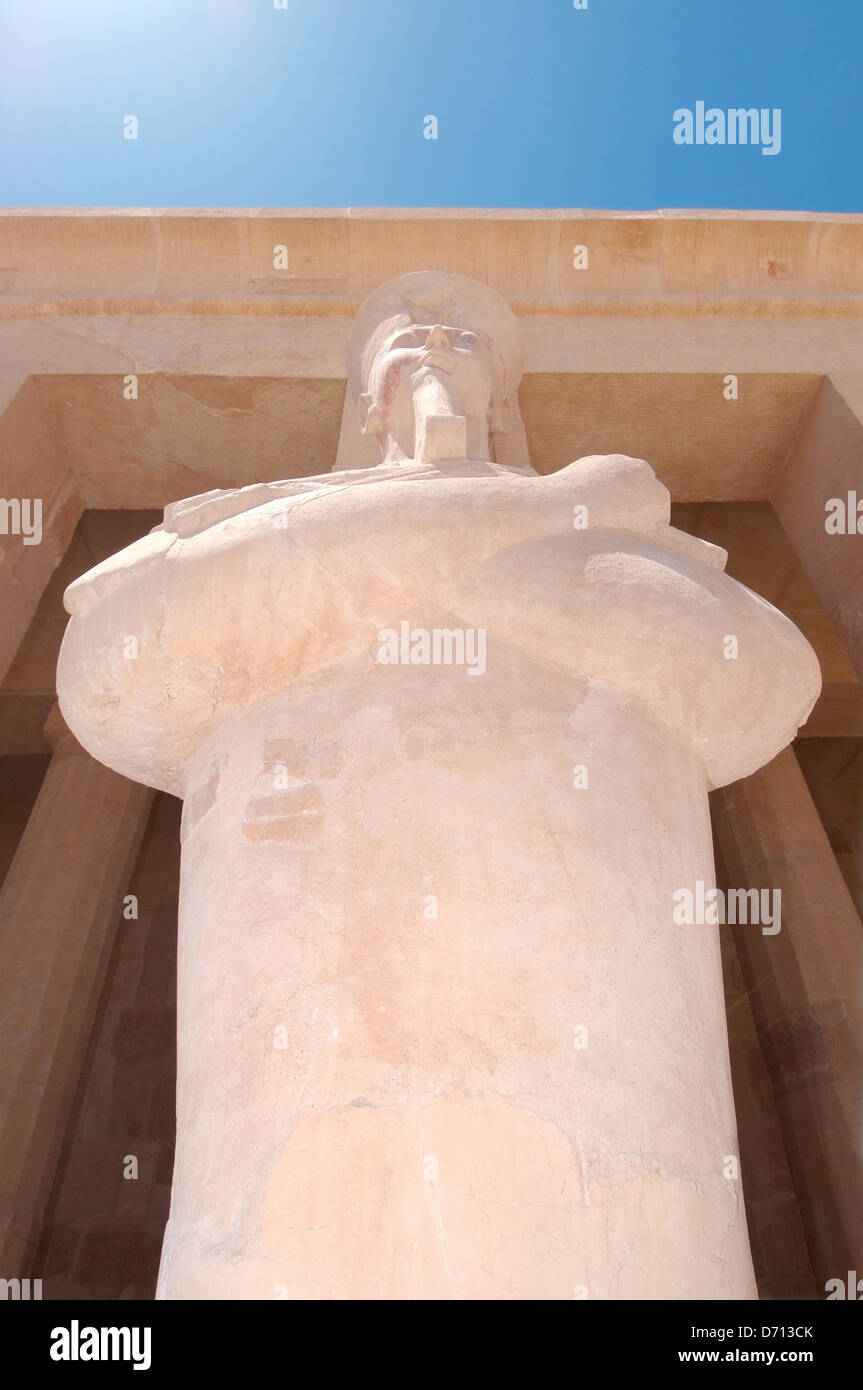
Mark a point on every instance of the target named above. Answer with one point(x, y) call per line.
point(323, 104)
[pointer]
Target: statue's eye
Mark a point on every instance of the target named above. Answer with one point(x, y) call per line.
point(410, 338)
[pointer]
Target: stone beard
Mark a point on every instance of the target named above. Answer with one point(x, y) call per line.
point(440, 1035)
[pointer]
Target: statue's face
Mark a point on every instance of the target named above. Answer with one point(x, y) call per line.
point(457, 360)
point(460, 359)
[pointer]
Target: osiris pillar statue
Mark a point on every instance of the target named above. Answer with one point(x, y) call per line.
point(444, 730)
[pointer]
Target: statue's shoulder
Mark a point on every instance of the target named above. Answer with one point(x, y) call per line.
point(623, 493)
point(181, 520)
point(193, 514)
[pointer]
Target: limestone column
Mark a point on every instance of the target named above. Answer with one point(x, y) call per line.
point(805, 985)
point(376, 1103)
point(59, 911)
point(444, 730)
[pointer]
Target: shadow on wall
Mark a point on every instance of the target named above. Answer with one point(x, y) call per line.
point(102, 1234)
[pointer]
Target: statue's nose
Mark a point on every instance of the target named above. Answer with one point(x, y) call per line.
point(437, 338)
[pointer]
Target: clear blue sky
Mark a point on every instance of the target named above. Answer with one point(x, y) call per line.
point(322, 104)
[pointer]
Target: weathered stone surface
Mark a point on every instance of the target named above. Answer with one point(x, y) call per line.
point(376, 1100)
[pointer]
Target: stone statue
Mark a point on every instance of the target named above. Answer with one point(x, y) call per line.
point(435, 390)
point(440, 1035)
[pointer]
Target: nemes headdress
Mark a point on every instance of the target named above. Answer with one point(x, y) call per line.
point(435, 296)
